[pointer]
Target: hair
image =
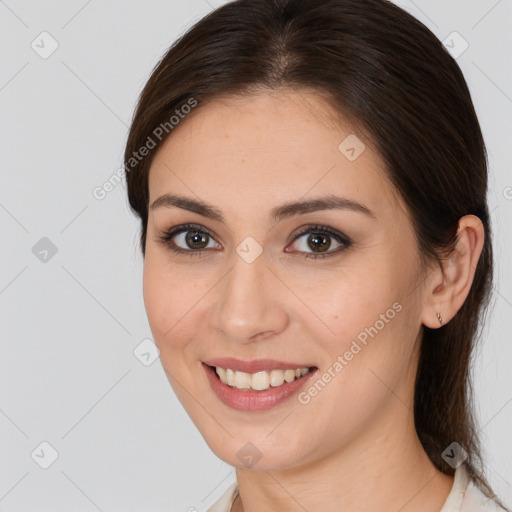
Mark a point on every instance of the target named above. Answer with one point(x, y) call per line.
point(388, 74)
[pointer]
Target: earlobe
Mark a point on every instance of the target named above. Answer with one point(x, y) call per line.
point(457, 274)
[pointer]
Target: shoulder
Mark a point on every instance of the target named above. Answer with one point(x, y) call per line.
point(466, 495)
point(476, 501)
point(226, 500)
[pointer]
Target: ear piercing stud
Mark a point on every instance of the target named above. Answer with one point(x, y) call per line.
point(439, 317)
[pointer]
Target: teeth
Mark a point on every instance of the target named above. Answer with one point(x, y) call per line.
point(276, 377)
point(289, 375)
point(258, 381)
point(230, 376)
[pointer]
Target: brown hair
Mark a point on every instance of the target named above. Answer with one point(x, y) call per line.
point(389, 75)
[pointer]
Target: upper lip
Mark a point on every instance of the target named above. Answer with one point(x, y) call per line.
point(256, 365)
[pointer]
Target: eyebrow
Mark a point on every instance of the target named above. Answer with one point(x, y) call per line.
point(329, 202)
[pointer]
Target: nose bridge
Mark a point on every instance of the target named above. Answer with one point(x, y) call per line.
point(246, 308)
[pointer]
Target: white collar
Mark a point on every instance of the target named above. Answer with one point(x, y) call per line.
point(462, 497)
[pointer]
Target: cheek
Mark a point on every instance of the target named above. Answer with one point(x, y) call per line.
point(155, 299)
point(360, 297)
point(168, 297)
point(375, 300)
point(371, 357)
point(371, 314)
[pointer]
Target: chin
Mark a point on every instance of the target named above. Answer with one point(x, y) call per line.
point(257, 455)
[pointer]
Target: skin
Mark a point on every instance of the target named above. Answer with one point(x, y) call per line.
point(353, 446)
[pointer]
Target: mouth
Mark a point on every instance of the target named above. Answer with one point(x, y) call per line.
point(260, 380)
point(257, 391)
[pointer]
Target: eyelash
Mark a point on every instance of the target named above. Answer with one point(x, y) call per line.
point(166, 238)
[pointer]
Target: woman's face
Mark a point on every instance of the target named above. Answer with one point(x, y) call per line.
point(248, 287)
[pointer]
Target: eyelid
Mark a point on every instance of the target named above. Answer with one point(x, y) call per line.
point(320, 228)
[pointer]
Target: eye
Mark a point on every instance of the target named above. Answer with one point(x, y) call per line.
point(319, 239)
point(191, 239)
point(188, 238)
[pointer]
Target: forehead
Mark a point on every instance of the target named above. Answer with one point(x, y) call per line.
point(268, 148)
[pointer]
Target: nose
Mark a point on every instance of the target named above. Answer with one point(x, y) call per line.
point(250, 304)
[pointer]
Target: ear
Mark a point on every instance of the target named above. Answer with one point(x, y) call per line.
point(449, 286)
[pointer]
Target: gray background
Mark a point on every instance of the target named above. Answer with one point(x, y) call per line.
point(71, 321)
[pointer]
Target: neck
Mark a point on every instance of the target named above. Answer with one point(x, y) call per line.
point(384, 468)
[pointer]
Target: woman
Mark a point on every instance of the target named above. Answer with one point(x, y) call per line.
point(311, 182)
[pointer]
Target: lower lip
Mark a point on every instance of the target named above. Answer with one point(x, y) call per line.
point(242, 400)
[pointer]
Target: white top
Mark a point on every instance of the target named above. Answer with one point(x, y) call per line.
point(465, 496)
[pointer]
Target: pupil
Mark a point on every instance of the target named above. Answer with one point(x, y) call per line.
point(323, 244)
point(195, 238)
